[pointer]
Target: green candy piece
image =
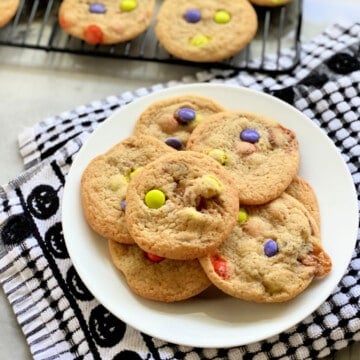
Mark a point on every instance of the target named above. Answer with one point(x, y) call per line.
point(155, 199)
point(242, 216)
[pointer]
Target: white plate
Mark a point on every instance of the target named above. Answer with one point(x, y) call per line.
point(216, 320)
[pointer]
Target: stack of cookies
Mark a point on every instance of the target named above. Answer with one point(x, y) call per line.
point(200, 196)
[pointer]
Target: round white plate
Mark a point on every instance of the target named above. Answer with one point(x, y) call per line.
point(214, 319)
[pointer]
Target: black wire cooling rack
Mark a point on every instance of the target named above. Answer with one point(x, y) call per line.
point(274, 49)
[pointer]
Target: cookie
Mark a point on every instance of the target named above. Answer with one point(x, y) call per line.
point(272, 255)
point(8, 10)
point(173, 119)
point(156, 278)
point(182, 206)
point(204, 30)
point(301, 190)
point(105, 180)
point(106, 21)
point(270, 3)
point(262, 155)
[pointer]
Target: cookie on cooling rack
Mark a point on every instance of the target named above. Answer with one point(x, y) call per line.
point(8, 10)
point(156, 278)
point(106, 178)
point(172, 120)
point(106, 21)
point(205, 31)
point(270, 3)
point(272, 255)
point(181, 206)
point(262, 155)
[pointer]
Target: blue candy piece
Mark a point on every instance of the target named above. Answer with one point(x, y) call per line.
point(250, 135)
point(271, 248)
point(192, 16)
point(123, 205)
point(174, 143)
point(97, 8)
point(185, 115)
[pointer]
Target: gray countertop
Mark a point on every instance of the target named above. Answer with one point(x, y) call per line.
point(36, 84)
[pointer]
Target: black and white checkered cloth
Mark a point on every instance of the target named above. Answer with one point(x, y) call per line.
point(62, 320)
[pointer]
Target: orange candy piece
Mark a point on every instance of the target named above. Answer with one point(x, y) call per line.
point(154, 258)
point(93, 34)
point(220, 266)
point(62, 22)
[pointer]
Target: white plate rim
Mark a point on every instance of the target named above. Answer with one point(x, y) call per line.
point(179, 324)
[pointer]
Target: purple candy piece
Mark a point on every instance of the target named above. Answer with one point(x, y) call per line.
point(250, 135)
point(192, 16)
point(174, 143)
point(185, 115)
point(97, 8)
point(271, 248)
point(123, 205)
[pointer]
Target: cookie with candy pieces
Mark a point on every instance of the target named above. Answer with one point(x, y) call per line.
point(156, 278)
point(272, 255)
point(173, 119)
point(205, 30)
point(106, 21)
point(261, 154)
point(182, 206)
point(106, 178)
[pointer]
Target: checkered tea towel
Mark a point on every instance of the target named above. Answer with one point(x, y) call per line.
point(58, 315)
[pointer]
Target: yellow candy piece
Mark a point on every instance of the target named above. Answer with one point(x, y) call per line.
point(134, 172)
point(190, 213)
point(218, 155)
point(199, 40)
point(155, 199)
point(222, 17)
point(211, 186)
point(197, 119)
point(117, 181)
point(128, 5)
point(242, 216)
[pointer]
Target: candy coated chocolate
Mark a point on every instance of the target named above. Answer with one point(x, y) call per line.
point(250, 135)
point(123, 205)
point(174, 143)
point(185, 115)
point(271, 248)
point(97, 8)
point(155, 199)
point(192, 16)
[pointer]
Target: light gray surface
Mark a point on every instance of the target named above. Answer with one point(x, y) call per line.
point(35, 84)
